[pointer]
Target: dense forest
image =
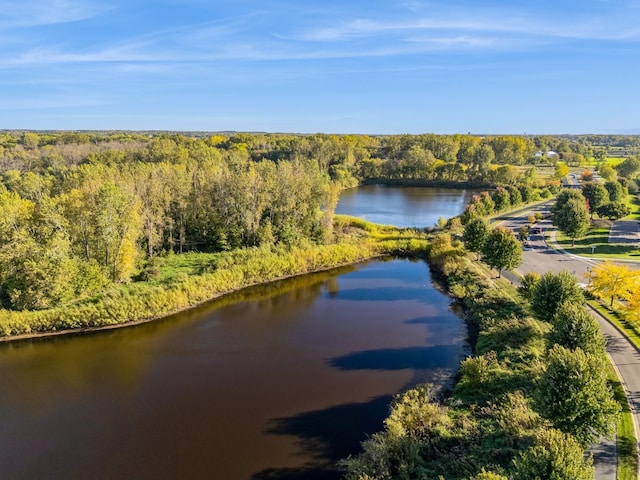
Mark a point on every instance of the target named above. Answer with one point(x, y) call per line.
point(81, 210)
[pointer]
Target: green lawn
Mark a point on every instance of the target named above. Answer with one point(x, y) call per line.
point(598, 237)
point(634, 204)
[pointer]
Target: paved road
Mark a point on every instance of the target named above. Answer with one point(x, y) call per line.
point(626, 358)
point(626, 232)
point(539, 257)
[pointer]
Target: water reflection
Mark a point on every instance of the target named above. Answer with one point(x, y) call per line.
point(403, 206)
point(278, 381)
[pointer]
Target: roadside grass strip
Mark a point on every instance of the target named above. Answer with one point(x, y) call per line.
point(625, 435)
point(626, 327)
point(633, 202)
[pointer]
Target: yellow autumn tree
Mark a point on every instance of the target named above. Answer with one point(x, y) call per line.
point(610, 280)
point(632, 310)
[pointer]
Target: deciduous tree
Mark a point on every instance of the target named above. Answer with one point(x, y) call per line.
point(502, 250)
point(596, 194)
point(552, 291)
point(554, 456)
point(613, 210)
point(615, 189)
point(475, 234)
point(612, 280)
point(573, 394)
point(629, 167)
point(572, 219)
point(574, 327)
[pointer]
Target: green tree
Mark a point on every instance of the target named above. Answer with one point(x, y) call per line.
point(574, 327)
point(528, 285)
point(613, 210)
point(501, 199)
point(552, 291)
point(475, 234)
point(483, 157)
point(502, 250)
point(515, 197)
point(572, 219)
point(600, 154)
point(563, 197)
point(607, 172)
point(615, 189)
point(596, 194)
point(488, 475)
point(554, 456)
point(573, 394)
point(629, 167)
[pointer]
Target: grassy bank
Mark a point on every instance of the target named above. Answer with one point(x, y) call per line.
point(625, 433)
point(183, 281)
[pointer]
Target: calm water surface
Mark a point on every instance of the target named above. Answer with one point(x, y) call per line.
point(403, 206)
point(277, 382)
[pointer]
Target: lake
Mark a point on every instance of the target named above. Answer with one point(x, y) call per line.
point(275, 382)
point(403, 206)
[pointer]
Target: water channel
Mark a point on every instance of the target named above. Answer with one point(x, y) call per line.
point(275, 382)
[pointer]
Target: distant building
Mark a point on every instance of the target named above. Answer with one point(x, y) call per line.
point(549, 154)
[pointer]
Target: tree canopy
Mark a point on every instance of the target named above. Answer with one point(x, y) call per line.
point(611, 280)
point(572, 219)
point(573, 394)
point(552, 291)
point(475, 234)
point(502, 250)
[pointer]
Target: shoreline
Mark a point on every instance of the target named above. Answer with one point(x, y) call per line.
point(132, 323)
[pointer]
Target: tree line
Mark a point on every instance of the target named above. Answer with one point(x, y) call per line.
point(345, 157)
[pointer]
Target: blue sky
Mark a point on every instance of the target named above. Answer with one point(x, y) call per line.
point(380, 67)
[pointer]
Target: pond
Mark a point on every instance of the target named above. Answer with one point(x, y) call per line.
point(403, 206)
point(274, 382)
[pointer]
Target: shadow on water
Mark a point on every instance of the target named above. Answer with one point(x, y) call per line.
point(416, 358)
point(326, 436)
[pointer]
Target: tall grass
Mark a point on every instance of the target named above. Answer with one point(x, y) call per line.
point(144, 301)
point(190, 279)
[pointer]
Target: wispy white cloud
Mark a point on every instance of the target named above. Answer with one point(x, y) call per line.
point(429, 28)
point(597, 27)
point(30, 13)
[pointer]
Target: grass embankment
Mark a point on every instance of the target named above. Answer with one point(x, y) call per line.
point(630, 330)
point(625, 433)
point(186, 280)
